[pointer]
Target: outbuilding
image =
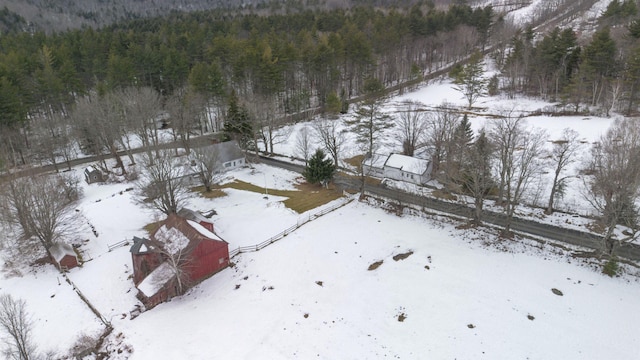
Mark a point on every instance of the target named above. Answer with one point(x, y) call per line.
point(179, 247)
point(398, 167)
point(93, 175)
point(64, 256)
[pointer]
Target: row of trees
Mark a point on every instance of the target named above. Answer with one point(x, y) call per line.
point(283, 63)
point(601, 74)
point(506, 159)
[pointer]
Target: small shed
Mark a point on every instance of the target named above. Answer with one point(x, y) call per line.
point(64, 256)
point(93, 175)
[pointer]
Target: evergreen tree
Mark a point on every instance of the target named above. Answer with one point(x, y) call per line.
point(634, 29)
point(471, 81)
point(237, 125)
point(333, 104)
point(464, 133)
point(319, 169)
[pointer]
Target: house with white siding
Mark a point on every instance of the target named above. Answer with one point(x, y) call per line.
point(398, 167)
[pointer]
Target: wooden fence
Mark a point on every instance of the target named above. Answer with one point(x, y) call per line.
point(301, 221)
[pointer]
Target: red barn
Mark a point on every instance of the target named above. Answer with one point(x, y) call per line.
point(64, 256)
point(179, 254)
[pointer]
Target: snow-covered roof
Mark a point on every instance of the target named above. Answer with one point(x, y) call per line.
point(156, 279)
point(60, 250)
point(172, 239)
point(407, 163)
point(192, 215)
point(376, 160)
point(90, 169)
point(203, 231)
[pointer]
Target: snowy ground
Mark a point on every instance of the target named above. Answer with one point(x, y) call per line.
point(463, 293)
point(270, 305)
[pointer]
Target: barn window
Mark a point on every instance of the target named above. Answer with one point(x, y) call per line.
point(221, 261)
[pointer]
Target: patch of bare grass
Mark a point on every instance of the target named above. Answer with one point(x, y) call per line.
point(213, 194)
point(307, 196)
point(355, 161)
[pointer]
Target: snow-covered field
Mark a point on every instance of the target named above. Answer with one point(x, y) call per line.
point(312, 295)
point(461, 293)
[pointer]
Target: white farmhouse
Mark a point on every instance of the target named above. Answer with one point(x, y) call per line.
point(398, 167)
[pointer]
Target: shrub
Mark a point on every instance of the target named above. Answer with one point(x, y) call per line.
point(611, 267)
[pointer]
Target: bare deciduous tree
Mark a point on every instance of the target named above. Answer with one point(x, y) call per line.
point(505, 133)
point(303, 143)
point(207, 165)
point(476, 177)
point(563, 154)
point(15, 323)
point(520, 152)
point(441, 125)
point(330, 136)
point(98, 121)
point(42, 206)
point(174, 250)
point(140, 109)
point(411, 127)
point(186, 109)
point(268, 121)
point(614, 186)
point(162, 186)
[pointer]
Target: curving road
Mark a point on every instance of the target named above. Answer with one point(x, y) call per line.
point(552, 232)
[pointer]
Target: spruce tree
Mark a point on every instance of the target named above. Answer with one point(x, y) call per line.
point(237, 125)
point(319, 169)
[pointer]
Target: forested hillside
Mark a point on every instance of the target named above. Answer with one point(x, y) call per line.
point(277, 64)
point(58, 15)
point(76, 89)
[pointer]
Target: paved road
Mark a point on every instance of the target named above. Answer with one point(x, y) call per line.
point(569, 236)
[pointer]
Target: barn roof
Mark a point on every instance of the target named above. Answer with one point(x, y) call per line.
point(173, 240)
point(141, 245)
point(407, 163)
point(60, 250)
point(151, 284)
point(182, 230)
point(204, 231)
point(192, 215)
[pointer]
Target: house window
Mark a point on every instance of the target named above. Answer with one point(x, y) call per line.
point(228, 164)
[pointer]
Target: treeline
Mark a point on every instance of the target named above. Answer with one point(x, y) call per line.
point(288, 62)
point(600, 74)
